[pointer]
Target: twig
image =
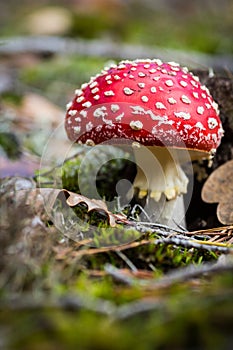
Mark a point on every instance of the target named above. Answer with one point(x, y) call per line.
point(216, 247)
point(67, 302)
point(119, 276)
point(190, 272)
point(179, 276)
point(126, 260)
point(129, 310)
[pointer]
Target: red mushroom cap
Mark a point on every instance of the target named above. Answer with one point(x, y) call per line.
point(147, 101)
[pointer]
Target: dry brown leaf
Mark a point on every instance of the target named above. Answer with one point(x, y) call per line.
point(40, 110)
point(218, 188)
point(225, 211)
point(43, 199)
point(93, 204)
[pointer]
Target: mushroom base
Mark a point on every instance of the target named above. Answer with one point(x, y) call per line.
point(163, 182)
point(159, 172)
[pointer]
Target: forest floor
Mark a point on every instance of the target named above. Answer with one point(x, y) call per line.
point(77, 274)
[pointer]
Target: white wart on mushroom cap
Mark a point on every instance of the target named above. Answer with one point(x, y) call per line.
point(152, 103)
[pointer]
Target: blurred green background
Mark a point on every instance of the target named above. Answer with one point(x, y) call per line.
point(202, 25)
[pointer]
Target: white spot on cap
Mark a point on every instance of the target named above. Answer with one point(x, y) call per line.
point(141, 85)
point(77, 119)
point(128, 91)
point(212, 123)
point(171, 100)
point(77, 129)
point(214, 137)
point(196, 78)
point(72, 112)
point(156, 78)
point(169, 83)
point(89, 126)
point(87, 104)
point(183, 115)
point(108, 77)
point(109, 82)
point(200, 126)
point(95, 90)
point(208, 106)
point(185, 99)
point(96, 97)
point(215, 106)
point(117, 77)
point(90, 142)
point(185, 69)
point(141, 74)
point(176, 69)
point(160, 105)
point(83, 86)
point(158, 61)
point(78, 92)
point(100, 112)
point(131, 76)
point(183, 83)
point(203, 95)
point(119, 117)
point(144, 98)
point(69, 105)
point(83, 113)
point(115, 108)
point(153, 70)
point(153, 89)
point(80, 99)
point(109, 93)
point(146, 66)
point(173, 64)
point(133, 68)
point(94, 84)
point(195, 94)
point(136, 125)
point(138, 110)
point(194, 83)
point(121, 66)
point(200, 110)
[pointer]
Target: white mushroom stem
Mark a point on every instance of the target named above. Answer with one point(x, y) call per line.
point(161, 178)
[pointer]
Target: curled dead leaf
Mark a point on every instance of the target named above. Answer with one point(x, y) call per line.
point(93, 204)
point(218, 188)
point(72, 199)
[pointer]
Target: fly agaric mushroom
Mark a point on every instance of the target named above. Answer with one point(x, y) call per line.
point(158, 105)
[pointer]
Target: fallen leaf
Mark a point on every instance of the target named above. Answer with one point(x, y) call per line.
point(93, 204)
point(42, 200)
point(40, 110)
point(218, 188)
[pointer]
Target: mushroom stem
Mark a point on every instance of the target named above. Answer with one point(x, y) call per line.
point(161, 179)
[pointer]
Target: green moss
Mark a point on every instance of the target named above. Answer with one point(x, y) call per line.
point(185, 320)
point(98, 172)
point(10, 145)
point(61, 74)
